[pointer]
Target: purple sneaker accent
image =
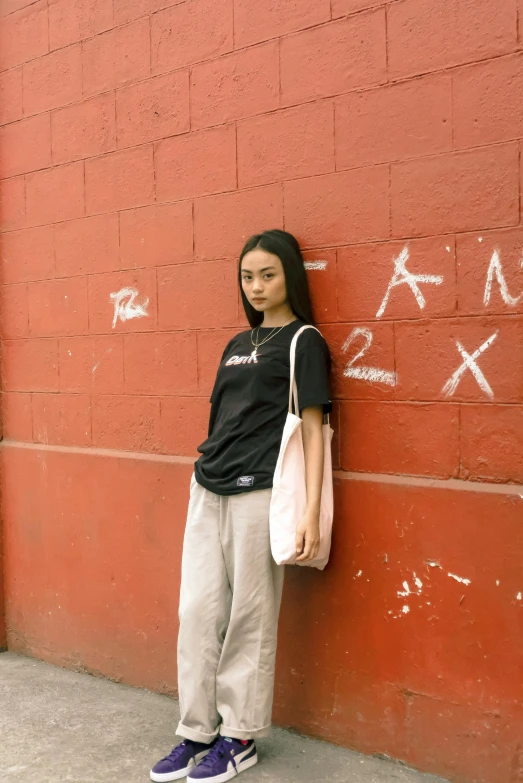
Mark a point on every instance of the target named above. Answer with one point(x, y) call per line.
point(180, 761)
point(227, 758)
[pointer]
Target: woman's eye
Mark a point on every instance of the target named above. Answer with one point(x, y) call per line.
point(269, 275)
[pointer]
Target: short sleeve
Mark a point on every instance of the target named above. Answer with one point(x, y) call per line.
point(312, 370)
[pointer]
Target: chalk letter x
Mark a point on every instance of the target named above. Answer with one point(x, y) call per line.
point(469, 363)
point(402, 275)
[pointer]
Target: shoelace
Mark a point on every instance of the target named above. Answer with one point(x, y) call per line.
point(215, 753)
point(176, 752)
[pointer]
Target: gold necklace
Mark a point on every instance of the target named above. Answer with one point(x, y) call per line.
point(271, 334)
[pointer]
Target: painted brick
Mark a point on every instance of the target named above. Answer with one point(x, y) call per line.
point(91, 364)
point(87, 245)
point(239, 85)
point(458, 191)
point(160, 363)
point(177, 177)
point(401, 438)
point(476, 255)
point(153, 109)
point(344, 7)
point(28, 255)
point(211, 345)
point(156, 235)
point(116, 58)
point(17, 423)
point(365, 272)
point(184, 424)
point(127, 10)
point(191, 295)
point(334, 58)
point(8, 7)
point(30, 365)
point(427, 357)
point(128, 423)
point(102, 307)
point(24, 35)
point(255, 22)
point(55, 194)
point(487, 104)
point(296, 142)
point(58, 307)
point(12, 204)
point(84, 129)
point(11, 99)
point(349, 206)
point(322, 284)
point(190, 32)
point(521, 177)
point(53, 81)
point(14, 311)
point(424, 36)
point(62, 419)
point(394, 122)
point(119, 180)
point(222, 224)
point(492, 443)
point(26, 145)
point(358, 346)
point(74, 20)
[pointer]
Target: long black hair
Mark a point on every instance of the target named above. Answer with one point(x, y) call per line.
point(286, 247)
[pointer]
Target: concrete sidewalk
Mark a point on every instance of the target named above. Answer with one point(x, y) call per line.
point(58, 726)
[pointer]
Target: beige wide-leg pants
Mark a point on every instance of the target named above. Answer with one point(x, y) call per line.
point(230, 599)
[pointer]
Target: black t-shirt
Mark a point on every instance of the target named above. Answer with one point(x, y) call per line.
point(250, 401)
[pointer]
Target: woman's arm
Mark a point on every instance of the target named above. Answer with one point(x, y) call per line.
point(308, 532)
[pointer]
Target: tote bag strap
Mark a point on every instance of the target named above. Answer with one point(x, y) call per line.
point(293, 389)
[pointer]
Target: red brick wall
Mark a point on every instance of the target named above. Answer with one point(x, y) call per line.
point(142, 142)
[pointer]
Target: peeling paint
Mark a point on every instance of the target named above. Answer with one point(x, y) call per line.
point(459, 578)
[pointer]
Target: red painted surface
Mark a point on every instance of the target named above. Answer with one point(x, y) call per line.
point(142, 142)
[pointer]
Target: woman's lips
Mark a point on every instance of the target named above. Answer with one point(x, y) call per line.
point(260, 299)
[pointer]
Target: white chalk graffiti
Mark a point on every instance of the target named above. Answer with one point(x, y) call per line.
point(469, 363)
point(372, 374)
point(315, 264)
point(495, 270)
point(125, 310)
point(402, 275)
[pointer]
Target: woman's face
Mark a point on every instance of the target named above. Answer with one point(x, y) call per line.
point(263, 280)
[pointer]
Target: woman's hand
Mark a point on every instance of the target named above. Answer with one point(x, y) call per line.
point(308, 537)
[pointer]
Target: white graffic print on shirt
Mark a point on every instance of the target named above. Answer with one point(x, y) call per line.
point(241, 360)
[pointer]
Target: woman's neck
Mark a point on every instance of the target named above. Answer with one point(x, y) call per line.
point(273, 319)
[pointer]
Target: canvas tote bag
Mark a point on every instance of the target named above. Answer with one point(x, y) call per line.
point(289, 493)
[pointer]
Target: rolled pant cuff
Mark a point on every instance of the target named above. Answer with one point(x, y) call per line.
point(227, 731)
point(194, 735)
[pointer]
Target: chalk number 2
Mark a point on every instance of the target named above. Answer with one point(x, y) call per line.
point(365, 373)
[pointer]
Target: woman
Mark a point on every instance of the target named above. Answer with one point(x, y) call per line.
point(231, 586)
